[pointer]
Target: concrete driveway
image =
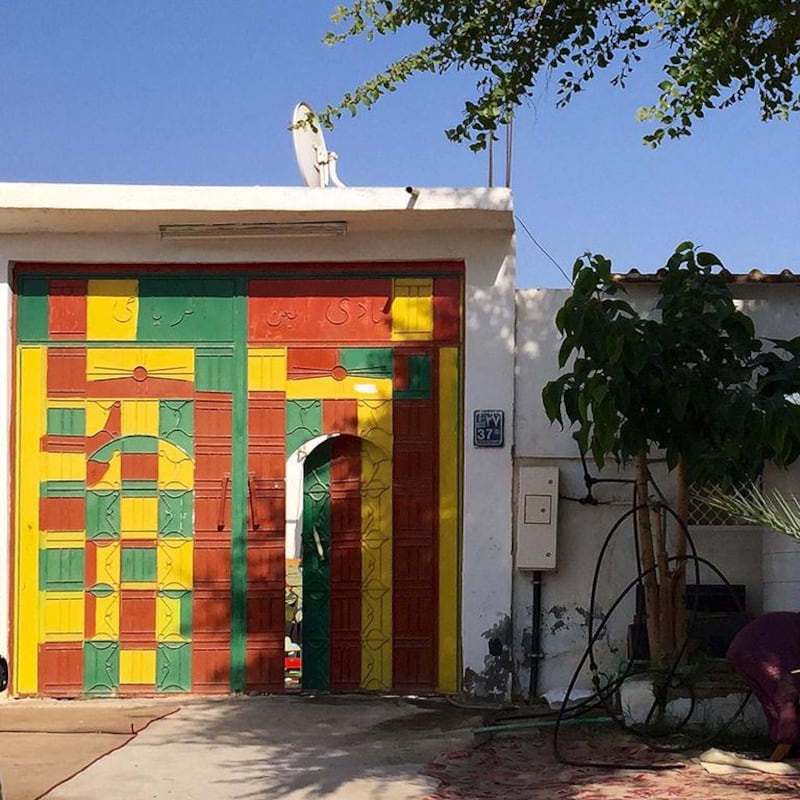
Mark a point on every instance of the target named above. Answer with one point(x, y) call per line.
point(281, 748)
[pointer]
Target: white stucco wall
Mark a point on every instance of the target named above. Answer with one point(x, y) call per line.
point(40, 223)
point(582, 527)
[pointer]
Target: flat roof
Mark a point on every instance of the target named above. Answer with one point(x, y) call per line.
point(111, 208)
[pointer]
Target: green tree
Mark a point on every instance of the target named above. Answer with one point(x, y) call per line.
point(715, 52)
point(692, 383)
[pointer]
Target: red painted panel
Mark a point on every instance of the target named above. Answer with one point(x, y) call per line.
point(67, 309)
point(340, 416)
point(264, 666)
point(212, 438)
point(446, 309)
point(267, 514)
point(316, 362)
point(320, 310)
point(211, 615)
point(132, 387)
point(212, 562)
point(265, 565)
point(414, 551)
point(266, 615)
point(137, 617)
point(66, 372)
point(210, 667)
point(61, 669)
point(266, 415)
point(212, 506)
point(62, 513)
point(345, 555)
point(139, 466)
point(57, 443)
point(400, 370)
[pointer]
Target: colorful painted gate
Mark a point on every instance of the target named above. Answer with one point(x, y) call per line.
point(155, 412)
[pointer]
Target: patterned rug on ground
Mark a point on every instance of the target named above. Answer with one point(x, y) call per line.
point(525, 768)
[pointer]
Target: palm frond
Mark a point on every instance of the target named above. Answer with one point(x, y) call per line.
point(752, 504)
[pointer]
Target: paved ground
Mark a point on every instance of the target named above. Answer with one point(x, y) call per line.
point(286, 748)
point(354, 747)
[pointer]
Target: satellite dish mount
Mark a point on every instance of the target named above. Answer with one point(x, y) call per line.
point(317, 164)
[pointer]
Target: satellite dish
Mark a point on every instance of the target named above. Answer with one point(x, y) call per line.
point(317, 163)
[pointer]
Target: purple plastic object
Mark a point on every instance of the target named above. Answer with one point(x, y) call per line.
point(765, 652)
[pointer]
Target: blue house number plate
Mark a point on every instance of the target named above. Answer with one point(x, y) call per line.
point(488, 428)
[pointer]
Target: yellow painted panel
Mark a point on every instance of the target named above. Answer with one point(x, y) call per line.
point(350, 388)
point(266, 370)
point(376, 569)
point(412, 309)
point(29, 430)
point(138, 517)
point(111, 479)
point(62, 539)
point(175, 467)
point(140, 417)
point(63, 466)
point(62, 616)
point(174, 564)
point(137, 666)
point(108, 567)
point(104, 363)
point(112, 309)
point(168, 619)
point(375, 423)
point(106, 617)
point(448, 522)
point(97, 412)
point(72, 403)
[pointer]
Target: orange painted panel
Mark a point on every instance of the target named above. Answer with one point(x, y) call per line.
point(66, 372)
point(321, 310)
point(266, 414)
point(340, 416)
point(131, 387)
point(211, 615)
point(213, 415)
point(61, 669)
point(62, 513)
point(137, 623)
point(317, 362)
point(212, 562)
point(67, 309)
point(264, 666)
point(210, 667)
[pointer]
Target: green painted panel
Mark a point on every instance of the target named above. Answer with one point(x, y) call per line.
point(213, 368)
point(139, 488)
point(303, 422)
point(187, 310)
point(316, 568)
point(66, 421)
point(372, 362)
point(175, 514)
point(176, 423)
point(173, 667)
point(61, 569)
point(100, 667)
point(62, 488)
point(102, 515)
point(33, 310)
point(239, 495)
point(138, 443)
point(138, 564)
point(100, 590)
point(420, 379)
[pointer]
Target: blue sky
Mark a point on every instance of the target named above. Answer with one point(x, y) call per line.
point(201, 92)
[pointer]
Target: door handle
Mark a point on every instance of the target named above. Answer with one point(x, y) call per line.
point(250, 493)
point(225, 480)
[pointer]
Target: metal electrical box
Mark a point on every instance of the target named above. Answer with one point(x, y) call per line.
point(537, 518)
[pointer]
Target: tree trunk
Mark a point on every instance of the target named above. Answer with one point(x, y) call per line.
point(679, 578)
point(647, 555)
